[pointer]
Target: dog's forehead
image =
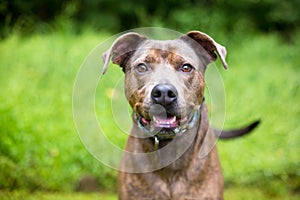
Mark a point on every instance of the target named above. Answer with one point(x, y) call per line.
point(175, 49)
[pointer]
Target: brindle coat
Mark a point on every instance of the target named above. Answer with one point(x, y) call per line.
point(190, 176)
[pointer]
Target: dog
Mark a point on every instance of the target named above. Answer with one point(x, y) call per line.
point(164, 85)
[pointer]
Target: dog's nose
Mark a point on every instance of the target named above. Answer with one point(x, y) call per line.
point(164, 94)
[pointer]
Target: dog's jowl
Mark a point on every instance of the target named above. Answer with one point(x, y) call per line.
point(164, 85)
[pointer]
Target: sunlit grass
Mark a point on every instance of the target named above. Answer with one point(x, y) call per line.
point(22, 194)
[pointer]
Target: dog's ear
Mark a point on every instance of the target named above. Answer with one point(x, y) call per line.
point(121, 49)
point(209, 45)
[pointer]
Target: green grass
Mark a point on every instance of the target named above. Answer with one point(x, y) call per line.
point(40, 149)
point(234, 193)
point(267, 87)
point(39, 145)
point(23, 194)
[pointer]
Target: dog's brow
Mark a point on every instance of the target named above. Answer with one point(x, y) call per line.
point(152, 59)
point(174, 59)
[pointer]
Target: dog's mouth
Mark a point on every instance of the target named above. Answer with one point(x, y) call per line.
point(167, 126)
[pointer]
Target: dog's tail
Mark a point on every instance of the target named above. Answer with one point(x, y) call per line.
point(228, 134)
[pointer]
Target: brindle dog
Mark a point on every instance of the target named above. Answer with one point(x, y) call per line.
point(164, 84)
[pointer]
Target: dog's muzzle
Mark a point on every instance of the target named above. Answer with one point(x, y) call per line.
point(167, 127)
point(164, 122)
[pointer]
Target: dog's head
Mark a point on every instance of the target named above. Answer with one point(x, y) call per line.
point(164, 80)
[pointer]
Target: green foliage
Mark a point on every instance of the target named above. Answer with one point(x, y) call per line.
point(21, 194)
point(115, 16)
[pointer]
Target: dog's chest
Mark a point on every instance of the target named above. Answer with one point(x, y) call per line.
point(173, 185)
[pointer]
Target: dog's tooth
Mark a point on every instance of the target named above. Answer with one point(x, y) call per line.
point(154, 119)
point(174, 119)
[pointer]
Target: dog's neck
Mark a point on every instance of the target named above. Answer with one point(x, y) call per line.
point(187, 159)
point(193, 138)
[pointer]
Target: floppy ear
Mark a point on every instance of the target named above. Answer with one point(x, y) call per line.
point(209, 45)
point(122, 49)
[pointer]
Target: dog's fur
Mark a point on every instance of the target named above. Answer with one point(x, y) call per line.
point(164, 84)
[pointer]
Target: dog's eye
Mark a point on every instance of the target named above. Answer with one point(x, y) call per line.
point(186, 68)
point(141, 68)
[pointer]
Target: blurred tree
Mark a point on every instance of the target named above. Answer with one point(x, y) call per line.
point(111, 15)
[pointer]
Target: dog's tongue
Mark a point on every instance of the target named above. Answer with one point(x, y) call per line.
point(161, 122)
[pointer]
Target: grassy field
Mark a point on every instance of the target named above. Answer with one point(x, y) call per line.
point(40, 149)
point(235, 193)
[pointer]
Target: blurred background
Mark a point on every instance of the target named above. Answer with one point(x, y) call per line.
point(43, 43)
